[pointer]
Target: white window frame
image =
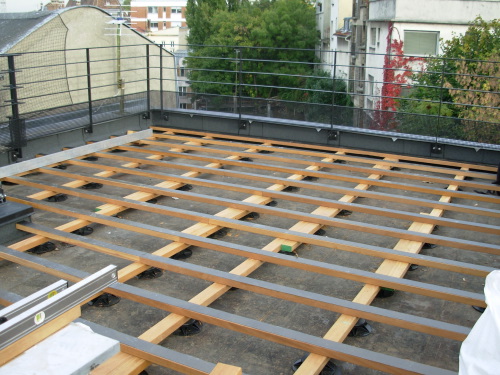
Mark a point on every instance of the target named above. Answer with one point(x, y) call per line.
point(427, 45)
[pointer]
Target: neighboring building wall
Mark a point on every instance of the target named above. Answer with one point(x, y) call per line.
point(155, 15)
point(334, 46)
point(171, 39)
point(456, 12)
point(183, 88)
point(344, 11)
point(323, 50)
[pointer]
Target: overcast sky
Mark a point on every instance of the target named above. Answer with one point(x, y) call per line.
point(24, 5)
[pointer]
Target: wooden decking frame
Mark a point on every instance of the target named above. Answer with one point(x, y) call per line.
point(194, 147)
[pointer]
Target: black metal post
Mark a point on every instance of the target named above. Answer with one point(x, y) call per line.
point(16, 124)
point(334, 84)
point(440, 98)
point(241, 124)
point(148, 81)
point(90, 128)
point(161, 80)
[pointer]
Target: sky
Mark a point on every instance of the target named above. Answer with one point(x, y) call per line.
point(23, 5)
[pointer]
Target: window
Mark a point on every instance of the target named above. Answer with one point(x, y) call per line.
point(421, 42)
point(183, 105)
point(153, 10)
point(371, 85)
point(182, 91)
point(373, 36)
point(176, 10)
point(182, 72)
point(154, 26)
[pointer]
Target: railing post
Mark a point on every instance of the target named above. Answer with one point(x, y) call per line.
point(90, 128)
point(440, 97)
point(161, 79)
point(16, 124)
point(334, 88)
point(148, 82)
point(241, 124)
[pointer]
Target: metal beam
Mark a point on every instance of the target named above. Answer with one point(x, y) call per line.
point(62, 156)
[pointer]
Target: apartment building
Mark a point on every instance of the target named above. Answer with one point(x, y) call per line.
point(155, 15)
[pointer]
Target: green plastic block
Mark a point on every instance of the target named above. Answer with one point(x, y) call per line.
point(286, 248)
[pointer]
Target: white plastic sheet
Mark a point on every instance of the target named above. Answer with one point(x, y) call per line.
point(480, 352)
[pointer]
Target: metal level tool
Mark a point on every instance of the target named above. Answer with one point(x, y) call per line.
point(36, 310)
point(24, 304)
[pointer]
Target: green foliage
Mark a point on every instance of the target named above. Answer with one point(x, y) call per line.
point(280, 31)
point(465, 60)
point(198, 17)
point(479, 87)
point(320, 91)
point(322, 86)
point(421, 117)
point(480, 41)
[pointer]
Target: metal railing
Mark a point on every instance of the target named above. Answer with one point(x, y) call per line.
point(48, 92)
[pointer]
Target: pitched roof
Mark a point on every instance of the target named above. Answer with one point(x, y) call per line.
point(15, 26)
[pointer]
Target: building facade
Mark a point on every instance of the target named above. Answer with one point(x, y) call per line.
point(155, 15)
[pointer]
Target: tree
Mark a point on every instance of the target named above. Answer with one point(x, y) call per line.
point(479, 86)
point(466, 79)
point(268, 34)
point(199, 14)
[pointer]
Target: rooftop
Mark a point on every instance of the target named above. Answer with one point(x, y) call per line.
point(346, 222)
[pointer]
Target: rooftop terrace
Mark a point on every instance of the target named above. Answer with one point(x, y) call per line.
point(277, 248)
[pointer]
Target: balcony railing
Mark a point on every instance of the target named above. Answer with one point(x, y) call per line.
point(48, 92)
